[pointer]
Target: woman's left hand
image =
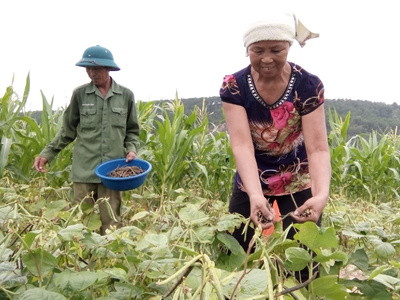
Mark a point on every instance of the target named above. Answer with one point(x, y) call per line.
point(131, 156)
point(311, 210)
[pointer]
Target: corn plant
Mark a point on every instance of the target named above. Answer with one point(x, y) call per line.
point(30, 137)
point(364, 166)
point(171, 143)
point(373, 170)
point(212, 164)
point(10, 109)
point(50, 249)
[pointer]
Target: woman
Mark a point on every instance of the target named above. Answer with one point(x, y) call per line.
point(275, 117)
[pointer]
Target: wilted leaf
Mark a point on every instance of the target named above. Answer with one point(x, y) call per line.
point(192, 215)
point(5, 253)
point(337, 256)
point(7, 213)
point(229, 222)
point(139, 215)
point(205, 234)
point(116, 273)
point(10, 277)
point(54, 207)
point(152, 240)
point(353, 234)
point(72, 232)
point(388, 281)
point(363, 227)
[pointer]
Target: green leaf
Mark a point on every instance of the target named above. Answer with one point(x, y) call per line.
point(40, 294)
point(360, 259)
point(231, 243)
point(296, 258)
point(92, 221)
point(68, 281)
point(314, 237)
point(29, 238)
point(370, 289)
point(187, 250)
point(378, 270)
point(385, 250)
point(327, 288)
point(39, 262)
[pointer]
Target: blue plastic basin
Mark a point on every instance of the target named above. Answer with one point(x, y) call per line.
point(123, 183)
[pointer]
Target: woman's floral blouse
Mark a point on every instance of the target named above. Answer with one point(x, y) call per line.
point(276, 129)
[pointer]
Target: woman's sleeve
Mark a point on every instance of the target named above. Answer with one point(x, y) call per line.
point(229, 91)
point(310, 95)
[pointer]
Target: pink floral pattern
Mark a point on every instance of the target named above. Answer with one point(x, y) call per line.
point(229, 83)
point(282, 114)
point(277, 130)
point(278, 182)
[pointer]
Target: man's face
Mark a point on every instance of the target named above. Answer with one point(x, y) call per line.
point(99, 75)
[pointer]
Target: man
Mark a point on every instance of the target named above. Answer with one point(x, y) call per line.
point(102, 118)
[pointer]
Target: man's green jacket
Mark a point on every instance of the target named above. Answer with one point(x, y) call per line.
point(104, 129)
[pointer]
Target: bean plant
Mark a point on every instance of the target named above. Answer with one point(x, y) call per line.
point(175, 242)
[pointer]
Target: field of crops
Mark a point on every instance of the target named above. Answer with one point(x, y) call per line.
point(175, 242)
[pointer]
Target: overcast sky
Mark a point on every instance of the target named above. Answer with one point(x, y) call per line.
point(188, 46)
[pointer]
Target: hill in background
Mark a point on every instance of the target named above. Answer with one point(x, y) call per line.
point(366, 116)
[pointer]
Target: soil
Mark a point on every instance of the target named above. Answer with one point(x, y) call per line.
point(126, 171)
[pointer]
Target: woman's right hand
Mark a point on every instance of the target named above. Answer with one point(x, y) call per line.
point(39, 164)
point(261, 212)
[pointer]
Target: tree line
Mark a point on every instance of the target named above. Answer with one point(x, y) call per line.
point(365, 116)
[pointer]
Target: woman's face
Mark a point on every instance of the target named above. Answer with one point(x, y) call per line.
point(268, 57)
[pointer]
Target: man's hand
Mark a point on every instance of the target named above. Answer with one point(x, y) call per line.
point(39, 164)
point(131, 156)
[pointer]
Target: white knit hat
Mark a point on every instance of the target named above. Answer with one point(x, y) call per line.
point(281, 27)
